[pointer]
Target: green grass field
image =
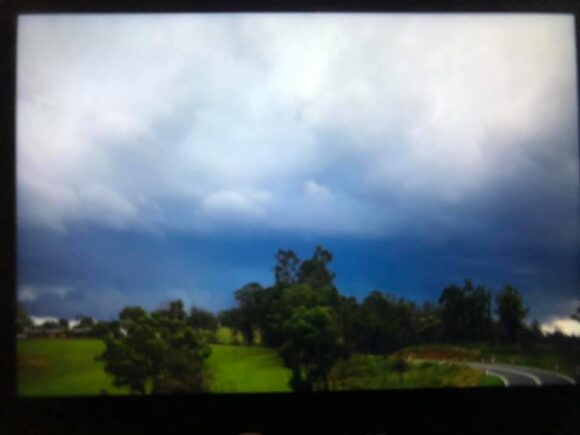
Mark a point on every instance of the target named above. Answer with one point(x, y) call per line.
point(67, 367)
point(52, 367)
point(247, 369)
point(62, 368)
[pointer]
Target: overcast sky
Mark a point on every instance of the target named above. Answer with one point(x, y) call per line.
point(171, 156)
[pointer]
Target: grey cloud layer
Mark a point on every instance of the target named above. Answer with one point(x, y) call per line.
point(360, 125)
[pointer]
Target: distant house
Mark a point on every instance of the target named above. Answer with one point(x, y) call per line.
point(38, 328)
point(41, 320)
point(50, 333)
point(47, 326)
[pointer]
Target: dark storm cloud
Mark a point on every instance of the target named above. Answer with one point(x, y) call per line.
point(453, 134)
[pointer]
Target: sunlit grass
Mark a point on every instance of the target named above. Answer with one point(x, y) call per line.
point(54, 367)
point(238, 369)
point(67, 367)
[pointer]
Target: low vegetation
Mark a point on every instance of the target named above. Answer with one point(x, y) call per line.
point(542, 356)
point(370, 372)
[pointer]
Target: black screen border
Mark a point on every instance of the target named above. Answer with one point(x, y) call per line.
point(530, 410)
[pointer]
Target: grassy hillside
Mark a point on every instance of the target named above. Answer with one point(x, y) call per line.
point(62, 368)
point(50, 367)
point(247, 369)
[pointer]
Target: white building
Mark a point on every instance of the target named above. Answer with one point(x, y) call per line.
point(40, 320)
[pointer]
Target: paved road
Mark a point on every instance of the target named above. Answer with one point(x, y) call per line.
point(517, 375)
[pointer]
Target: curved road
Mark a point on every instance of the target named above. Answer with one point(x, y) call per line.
point(517, 375)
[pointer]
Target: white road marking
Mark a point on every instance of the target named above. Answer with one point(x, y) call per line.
point(559, 375)
point(522, 373)
point(492, 369)
point(566, 377)
point(497, 375)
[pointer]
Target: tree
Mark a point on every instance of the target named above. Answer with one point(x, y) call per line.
point(347, 315)
point(430, 325)
point(23, 321)
point(133, 313)
point(536, 331)
point(286, 269)
point(175, 310)
point(278, 306)
point(576, 315)
point(202, 319)
point(274, 314)
point(452, 302)
point(85, 322)
point(185, 374)
point(136, 359)
point(400, 366)
point(465, 312)
point(477, 312)
point(385, 324)
point(511, 311)
point(406, 315)
point(103, 328)
point(249, 299)
point(314, 272)
point(310, 282)
point(269, 314)
point(159, 353)
point(63, 323)
point(184, 369)
point(50, 325)
point(313, 346)
point(229, 318)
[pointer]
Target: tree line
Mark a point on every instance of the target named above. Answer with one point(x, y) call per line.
point(311, 324)
point(381, 323)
